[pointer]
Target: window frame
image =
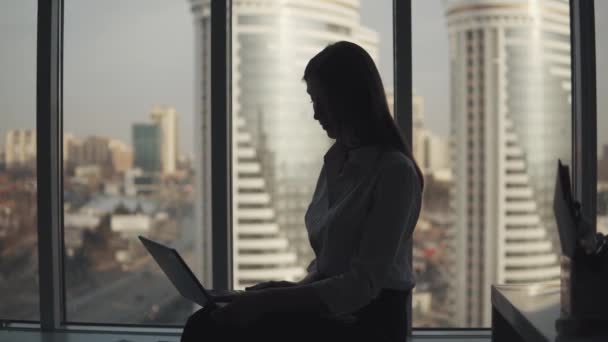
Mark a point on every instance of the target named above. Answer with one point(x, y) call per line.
point(219, 264)
point(584, 107)
point(49, 154)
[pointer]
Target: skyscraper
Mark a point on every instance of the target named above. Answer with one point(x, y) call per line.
point(272, 41)
point(166, 118)
point(510, 85)
point(147, 144)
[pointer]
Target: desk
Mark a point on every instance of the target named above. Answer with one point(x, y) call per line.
point(527, 313)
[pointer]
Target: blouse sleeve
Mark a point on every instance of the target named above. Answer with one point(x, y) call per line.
point(312, 267)
point(312, 273)
point(389, 223)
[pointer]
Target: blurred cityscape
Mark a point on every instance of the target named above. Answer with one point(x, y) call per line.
point(115, 190)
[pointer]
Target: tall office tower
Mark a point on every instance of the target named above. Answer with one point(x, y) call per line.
point(272, 41)
point(147, 144)
point(20, 148)
point(166, 118)
point(510, 86)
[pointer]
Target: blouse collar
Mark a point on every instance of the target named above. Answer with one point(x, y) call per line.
point(363, 156)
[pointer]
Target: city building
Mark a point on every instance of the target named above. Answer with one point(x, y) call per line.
point(140, 183)
point(602, 192)
point(96, 151)
point(147, 142)
point(268, 92)
point(111, 155)
point(20, 148)
point(390, 100)
point(510, 88)
point(602, 166)
point(430, 150)
point(121, 155)
point(166, 118)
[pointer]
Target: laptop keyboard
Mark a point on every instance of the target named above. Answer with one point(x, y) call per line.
point(225, 295)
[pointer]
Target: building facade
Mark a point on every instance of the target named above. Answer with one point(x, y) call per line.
point(20, 148)
point(166, 118)
point(430, 150)
point(510, 107)
point(121, 155)
point(147, 142)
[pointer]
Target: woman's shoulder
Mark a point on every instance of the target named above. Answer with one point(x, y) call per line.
point(397, 170)
point(393, 158)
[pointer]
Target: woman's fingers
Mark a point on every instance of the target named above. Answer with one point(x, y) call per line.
point(260, 286)
point(269, 284)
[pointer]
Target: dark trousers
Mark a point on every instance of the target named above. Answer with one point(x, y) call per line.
point(384, 319)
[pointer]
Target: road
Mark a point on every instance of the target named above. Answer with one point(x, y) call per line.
point(132, 297)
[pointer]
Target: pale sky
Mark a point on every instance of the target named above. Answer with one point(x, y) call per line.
point(123, 56)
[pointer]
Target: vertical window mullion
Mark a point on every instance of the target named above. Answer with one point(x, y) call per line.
point(584, 106)
point(402, 59)
point(49, 162)
point(221, 147)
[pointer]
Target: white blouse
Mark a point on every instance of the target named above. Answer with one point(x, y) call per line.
point(360, 223)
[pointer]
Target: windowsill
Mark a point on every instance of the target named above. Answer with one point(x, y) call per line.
point(173, 335)
point(34, 335)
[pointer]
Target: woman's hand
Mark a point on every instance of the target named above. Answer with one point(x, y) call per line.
point(250, 306)
point(244, 309)
point(270, 284)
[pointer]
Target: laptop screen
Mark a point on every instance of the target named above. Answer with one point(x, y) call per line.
point(178, 272)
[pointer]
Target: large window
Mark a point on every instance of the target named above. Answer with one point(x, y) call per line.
point(601, 27)
point(18, 199)
point(129, 150)
point(278, 147)
point(491, 116)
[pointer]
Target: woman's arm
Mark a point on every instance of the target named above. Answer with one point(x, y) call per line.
point(312, 274)
point(311, 277)
point(308, 279)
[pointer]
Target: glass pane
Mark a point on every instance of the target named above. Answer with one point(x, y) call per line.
point(601, 59)
point(129, 149)
point(18, 197)
point(491, 117)
point(278, 146)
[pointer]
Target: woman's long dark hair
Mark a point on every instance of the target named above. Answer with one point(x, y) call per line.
point(356, 98)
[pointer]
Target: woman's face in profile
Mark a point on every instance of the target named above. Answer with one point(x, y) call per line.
point(320, 107)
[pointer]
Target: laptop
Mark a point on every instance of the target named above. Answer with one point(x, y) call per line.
point(182, 277)
point(564, 208)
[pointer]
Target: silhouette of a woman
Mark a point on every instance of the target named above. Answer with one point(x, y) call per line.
point(360, 223)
